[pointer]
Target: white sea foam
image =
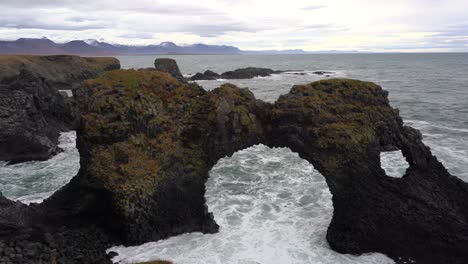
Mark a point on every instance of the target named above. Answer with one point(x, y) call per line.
point(393, 163)
point(36, 180)
point(424, 124)
point(273, 208)
point(447, 143)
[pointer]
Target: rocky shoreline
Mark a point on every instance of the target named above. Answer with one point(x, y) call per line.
point(147, 141)
point(32, 110)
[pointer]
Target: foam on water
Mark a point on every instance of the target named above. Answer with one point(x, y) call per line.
point(272, 207)
point(448, 144)
point(36, 180)
point(393, 163)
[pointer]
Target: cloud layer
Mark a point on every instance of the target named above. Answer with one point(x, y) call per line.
point(399, 25)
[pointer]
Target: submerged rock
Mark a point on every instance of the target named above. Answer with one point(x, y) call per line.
point(322, 72)
point(32, 110)
point(148, 141)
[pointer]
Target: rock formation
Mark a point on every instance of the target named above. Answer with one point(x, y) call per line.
point(244, 73)
point(207, 75)
point(63, 72)
point(32, 111)
point(32, 114)
point(148, 141)
point(170, 66)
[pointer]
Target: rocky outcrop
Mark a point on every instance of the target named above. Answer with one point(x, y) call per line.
point(248, 73)
point(244, 73)
point(63, 72)
point(322, 72)
point(207, 75)
point(341, 126)
point(170, 66)
point(32, 110)
point(32, 114)
point(148, 141)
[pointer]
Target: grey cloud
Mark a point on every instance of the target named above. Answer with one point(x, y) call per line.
point(111, 6)
point(453, 36)
point(428, 43)
point(138, 35)
point(30, 20)
point(456, 30)
point(313, 7)
point(323, 28)
point(79, 19)
point(213, 30)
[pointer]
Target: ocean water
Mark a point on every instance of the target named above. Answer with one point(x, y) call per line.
point(32, 182)
point(271, 205)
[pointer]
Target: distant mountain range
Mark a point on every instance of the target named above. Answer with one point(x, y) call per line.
point(44, 46)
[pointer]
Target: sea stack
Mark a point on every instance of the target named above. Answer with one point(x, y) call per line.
point(170, 66)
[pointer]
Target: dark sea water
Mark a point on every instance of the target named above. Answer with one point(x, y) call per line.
point(272, 206)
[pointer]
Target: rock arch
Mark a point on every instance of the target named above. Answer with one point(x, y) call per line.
point(148, 141)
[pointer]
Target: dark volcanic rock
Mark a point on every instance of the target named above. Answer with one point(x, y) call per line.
point(244, 73)
point(63, 72)
point(32, 113)
point(170, 66)
point(32, 110)
point(341, 126)
point(322, 72)
point(148, 141)
point(207, 75)
point(211, 74)
point(248, 73)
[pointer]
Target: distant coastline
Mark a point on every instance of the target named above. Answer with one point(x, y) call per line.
point(91, 47)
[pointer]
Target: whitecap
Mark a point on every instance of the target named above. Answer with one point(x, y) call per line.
point(34, 181)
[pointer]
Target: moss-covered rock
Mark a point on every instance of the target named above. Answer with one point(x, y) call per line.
point(32, 110)
point(148, 141)
point(63, 72)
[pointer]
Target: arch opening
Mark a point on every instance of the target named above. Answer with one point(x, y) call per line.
point(272, 207)
point(394, 163)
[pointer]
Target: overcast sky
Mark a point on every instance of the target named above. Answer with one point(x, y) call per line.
point(366, 25)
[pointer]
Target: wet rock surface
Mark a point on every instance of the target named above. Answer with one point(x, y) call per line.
point(207, 75)
point(147, 142)
point(32, 114)
point(32, 110)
